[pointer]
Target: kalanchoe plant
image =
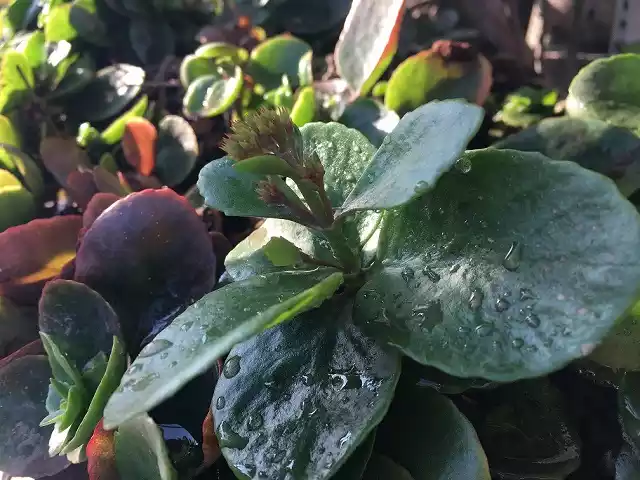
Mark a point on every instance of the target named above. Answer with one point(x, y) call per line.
point(490, 264)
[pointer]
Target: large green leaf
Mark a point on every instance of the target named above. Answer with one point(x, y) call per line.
point(507, 271)
point(208, 329)
point(526, 432)
point(278, 56)
point(58, 25)
point(606, 90)
point(112, 89)
point(141, 453)
point(368, 38)
point(23, 443)
point(426, 434)
point(81, 321)
point(425, 144)
point(298, 399)
point(16, 79)
point(593, 144)
point(210, 95)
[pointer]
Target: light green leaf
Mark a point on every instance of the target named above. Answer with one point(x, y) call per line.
point(310, 408)
point(58, 25)
point(141, 453)
point(425, 144)
point(278, 56)
point(282, 253)
point(209, 328)
point(219, 50)
point(114, 132)
point(426, 434)
point(211, 95)
point(304, 108)
point(16, 79)
point(193, 67)
point(507, 271)
point(17, 205)
point(33, 48)
point(606, 90)
point(266, 165)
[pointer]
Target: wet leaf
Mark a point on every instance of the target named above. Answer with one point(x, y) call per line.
point(139, 144)
point(356, 464)
point(37, 251)
point(605, 90)
point(399, 171)
point(112, 89)
point(367, 39)
point(475, 286)
point(113, 133)
point(177, 150)
point(304, 413)
point(526, 432)
point(278, 56)
point(210, 328)
point(627, 465)
point(79, 319)
point(371, 118)
point(77, 76)
point(23, 389)
point(193, 67)
point(590, 143)
point(428, 436)
point(447, 70)
point(211, 95)
point(17, 205)
point(158, 260)
point(141, 453)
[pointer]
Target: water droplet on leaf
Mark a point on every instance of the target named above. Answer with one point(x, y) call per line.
point(407, 274)
point(255, 421)
point(430, 274)
point(532, 320)
point(484, 329)
point(526, 294)
point(475, 300)
point(229, 438)
point(155, 347)
point(502, 304)
point(517, 342)
point(231, 367)
point(220, 402)
point(463, 165)
point(513, 257)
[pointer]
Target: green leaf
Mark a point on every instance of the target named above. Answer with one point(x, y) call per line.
point(605, 90)
point(112, 89)
point(620, 348)
point(17, 205)
point(233, 192)
point(629, 408)
point(115, 369)
point(211, 95)
point(505, 272)
point(76, 402)
point(356, 464)
point(426, 434)
point(141, 453)
point(152, 39)
point(425, 144)
point(590, 143)
point(208, 329)
point(80, 320)
point(526, 432)
point(72, 78)
point(278, 56)
point(58, 25)
point(193, 67)
point(304, 108)
point(23, 443)
point(23, 167)
point(87, 22)
point(219, 50)
point(366, 38)
point(299, 408)
point(371, 118)
point(429, 377)
point(266, 165)
point(281, 252)
point(177, 150)
point(33, 48)
point(382, 468)
point(94, 370)
point(64, 371)
point(114, 132)
point(16, 79)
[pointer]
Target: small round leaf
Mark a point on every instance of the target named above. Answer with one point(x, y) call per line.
point(211, 95)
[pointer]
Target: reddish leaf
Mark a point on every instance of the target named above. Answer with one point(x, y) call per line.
point(33, 348)
point(81, 187)
point(210, 446)
point(101, 455)
point(98, 204)
point(61, 156)
point(139, 143)
point(148, 255)
point(36, 252)
point(107, 182)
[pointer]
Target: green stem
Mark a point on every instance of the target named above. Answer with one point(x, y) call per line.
point(316, 205)
point(348, 258)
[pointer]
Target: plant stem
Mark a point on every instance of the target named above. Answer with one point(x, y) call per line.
point(316, 205)
point(348, 258)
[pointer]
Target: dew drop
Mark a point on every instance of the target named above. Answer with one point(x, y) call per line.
point(173, 364)
point(517, 342)
point(475, 300)
point(155, 347)
point(532, 320)
point(220, 402)
point(407, 274)
point(246, 469)
point(526, 294)
point(463, 165)
point(502, 304)
point(186, 326)
point(164, 355)
point(344, 439)
point(454, 268)
point(135, 368)
point(350, 178)
point(430, 274)
point(512, 259)
point(231, 367)
point(421, 187)
point(229, 438)
point(484, 330)
point(255, 421)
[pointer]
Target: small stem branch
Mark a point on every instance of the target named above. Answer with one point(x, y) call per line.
point(348, 258)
